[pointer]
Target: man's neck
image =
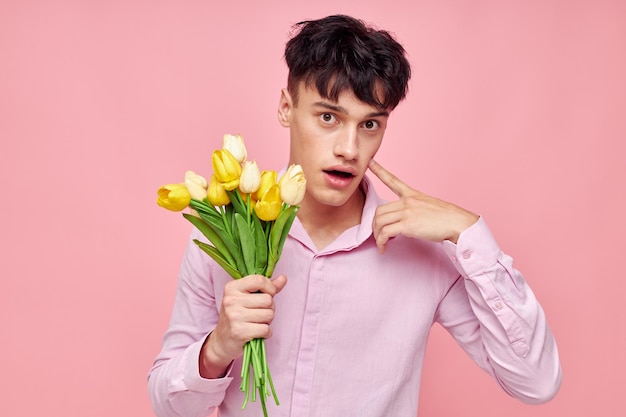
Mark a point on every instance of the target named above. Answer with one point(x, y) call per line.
point(325, 223)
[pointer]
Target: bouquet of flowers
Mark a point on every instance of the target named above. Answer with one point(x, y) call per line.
point(246, 216)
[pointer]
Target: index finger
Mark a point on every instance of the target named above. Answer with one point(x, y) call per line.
point(394, 183)
point(255, 284)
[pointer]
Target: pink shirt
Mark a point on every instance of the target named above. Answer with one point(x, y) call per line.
point(351, 326)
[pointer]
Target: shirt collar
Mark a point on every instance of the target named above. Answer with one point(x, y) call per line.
point(352, 237)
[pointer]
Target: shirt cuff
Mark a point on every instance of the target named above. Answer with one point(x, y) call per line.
point(475, 250)
point(192, 378)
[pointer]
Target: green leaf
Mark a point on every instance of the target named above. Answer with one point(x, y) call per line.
point(237, 202)
point(261, 245)
point(212, 216)
point(228, 219)
point(234, 243)
point(216, 224)
point(281, 224)
point(206, 209)
point(293, 210)
point(218, 239)
point(217, 256)
point(246, 240)
point(231, 241)
point(278, 235)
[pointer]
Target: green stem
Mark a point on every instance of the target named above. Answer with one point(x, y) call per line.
point(245, 374)
point(267, 373)
point(248, 208)
point(263, 406)
point(222, 211)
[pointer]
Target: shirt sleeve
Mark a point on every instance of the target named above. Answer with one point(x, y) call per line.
point(175, 386)
point(493, 314)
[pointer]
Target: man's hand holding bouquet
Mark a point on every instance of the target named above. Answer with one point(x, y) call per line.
point(246, 215)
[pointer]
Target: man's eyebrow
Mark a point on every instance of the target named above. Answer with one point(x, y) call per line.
point(340, 109)
point(384, 113)
point(332, 107)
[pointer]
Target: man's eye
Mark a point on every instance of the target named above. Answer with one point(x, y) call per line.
point(370, 124)
point(328, 117)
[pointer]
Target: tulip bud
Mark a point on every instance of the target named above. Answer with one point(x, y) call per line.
point(192, 176)
point(292, 185)
point(234, 144)
point(217, 194)
point(268, 207)
point(196, 184)
point(226, 169)
point(175, 197)
point(268, 178)
point(250, 178)
point(293, 171)
point(196, 191)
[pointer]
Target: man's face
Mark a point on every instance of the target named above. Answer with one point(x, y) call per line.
point(332, 141)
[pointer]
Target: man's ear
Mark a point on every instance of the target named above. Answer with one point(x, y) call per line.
point(285, 105)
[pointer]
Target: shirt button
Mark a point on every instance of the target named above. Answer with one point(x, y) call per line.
point(467, 254)
point(498, 305)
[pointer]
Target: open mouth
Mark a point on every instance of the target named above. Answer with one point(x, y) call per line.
point(340, 174)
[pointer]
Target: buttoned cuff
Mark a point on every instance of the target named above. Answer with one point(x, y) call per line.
point(475, 250)
point(195, 382)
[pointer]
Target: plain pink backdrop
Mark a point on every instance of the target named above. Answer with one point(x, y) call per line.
point(517, 110)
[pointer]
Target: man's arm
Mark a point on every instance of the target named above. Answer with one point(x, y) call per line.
point(490, 310)
point(246, 313)
point(190, 375)
point(415, 214)
point(495, 317)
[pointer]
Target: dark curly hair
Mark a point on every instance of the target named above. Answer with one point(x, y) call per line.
point(339, 52)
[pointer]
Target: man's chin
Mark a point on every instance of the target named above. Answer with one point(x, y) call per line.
point(339, 198)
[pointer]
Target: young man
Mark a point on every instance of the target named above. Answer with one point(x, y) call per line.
point(367, 279)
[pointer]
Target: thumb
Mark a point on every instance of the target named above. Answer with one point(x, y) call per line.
point(279, 282)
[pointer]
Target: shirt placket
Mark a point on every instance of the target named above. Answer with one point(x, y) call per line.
point(305, 363)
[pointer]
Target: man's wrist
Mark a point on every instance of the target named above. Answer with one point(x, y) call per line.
point(469, 220)
point(211, 364)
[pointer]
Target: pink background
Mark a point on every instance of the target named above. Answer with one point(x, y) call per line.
point(517, 110)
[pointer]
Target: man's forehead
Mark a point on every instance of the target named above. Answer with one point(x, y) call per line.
point(345, 94)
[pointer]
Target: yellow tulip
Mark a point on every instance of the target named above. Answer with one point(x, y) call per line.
point(226, 168)
point(250, 178)
point(268, 207)
point(292, 185)
point(234, 144)
point(217, 194)
point(196, 184)
point(268, 178)
point(175, 197)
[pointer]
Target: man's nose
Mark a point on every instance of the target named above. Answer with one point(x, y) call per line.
point(347, 144)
